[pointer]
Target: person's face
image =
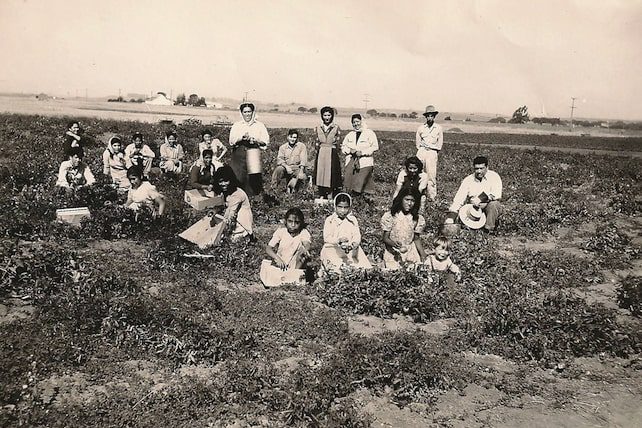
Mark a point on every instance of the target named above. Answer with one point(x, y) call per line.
point(407, 203)
point(75, 160)
point(342, 209)
point(224, 184)
point(247, 114)
point(356, 123)
point(292, 139)
point(441, 252)
point(327, 117)
point(135, 181)
point(207, 160)
point(430, 119)
point(480, 170)
point(116, 147)
point(292, 223)
point(412, 169)
point(75, 128)
point(171, 140)
point(207, 138)
point(138, 142)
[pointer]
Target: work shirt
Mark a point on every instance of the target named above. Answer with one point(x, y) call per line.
point(429, 138)
point(366, 143)
point(292, 156)
point(491, 184)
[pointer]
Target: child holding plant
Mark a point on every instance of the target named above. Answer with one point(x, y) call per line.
point(342, 238)
point(289, 259)
point(402, 226)
point(440, 261)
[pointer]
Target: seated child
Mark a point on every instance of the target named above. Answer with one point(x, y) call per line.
point(114, 163)
point(293, 242)
point(402, 226)
point(143, 193)
point(238, 212)
point(341, 238)
point(171, 154)
point(412, 177)
point(73, 172)
point(440, 260)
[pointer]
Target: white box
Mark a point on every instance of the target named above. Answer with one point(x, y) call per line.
point(72, 215)
point(202, 199)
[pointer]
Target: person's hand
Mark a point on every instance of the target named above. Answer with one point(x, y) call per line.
point(358, 153)
point(210, 187)
point(280, 263)
point(475, 201)
point(403, 249)
point(458, 277)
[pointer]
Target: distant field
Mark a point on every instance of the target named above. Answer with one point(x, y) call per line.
point(151, 114)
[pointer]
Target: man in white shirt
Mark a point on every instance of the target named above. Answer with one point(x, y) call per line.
point(429, 139)
point(483, 189)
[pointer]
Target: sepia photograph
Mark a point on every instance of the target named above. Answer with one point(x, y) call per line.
point(299, 213)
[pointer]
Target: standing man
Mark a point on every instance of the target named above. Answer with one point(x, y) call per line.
point(429, 139)
point(482, 189)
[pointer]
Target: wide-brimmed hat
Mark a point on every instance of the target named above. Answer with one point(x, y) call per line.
point(430, 110)
point(472, 217)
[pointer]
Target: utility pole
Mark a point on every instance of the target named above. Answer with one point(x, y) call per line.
point(366, 100)
point(86, 94)
point(245, 97)
point(572, 109)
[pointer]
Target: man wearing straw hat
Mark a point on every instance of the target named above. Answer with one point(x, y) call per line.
point(477, 200)
point(429, 139)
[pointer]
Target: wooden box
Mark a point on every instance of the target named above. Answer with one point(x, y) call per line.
point(202, 199)
point(72, 215)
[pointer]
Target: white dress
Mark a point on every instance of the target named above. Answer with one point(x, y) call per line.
point(347, 230)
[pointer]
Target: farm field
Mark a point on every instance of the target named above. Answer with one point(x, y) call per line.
point(149, 113)
point(110, 325)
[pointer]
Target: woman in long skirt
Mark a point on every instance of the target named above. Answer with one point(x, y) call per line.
point(359, 146)
point(327, 176)
point(248, 137)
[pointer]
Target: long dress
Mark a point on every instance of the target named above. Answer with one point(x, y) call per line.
point(289, 247)
point(239, 212)
point(358, 174)
point(327, 176)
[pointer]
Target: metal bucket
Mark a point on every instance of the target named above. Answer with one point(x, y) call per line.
point(254, 161)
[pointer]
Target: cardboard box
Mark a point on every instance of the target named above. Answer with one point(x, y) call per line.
point(206, 232)
point(202, 199)
point(72, 215)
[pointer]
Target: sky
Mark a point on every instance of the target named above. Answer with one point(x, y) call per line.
point(461, 56)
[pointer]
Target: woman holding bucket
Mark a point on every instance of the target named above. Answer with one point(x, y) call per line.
point(247, 138)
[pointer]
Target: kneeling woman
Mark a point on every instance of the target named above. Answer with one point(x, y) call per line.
point(402, 226)
point(143, 193)
point(238, 212)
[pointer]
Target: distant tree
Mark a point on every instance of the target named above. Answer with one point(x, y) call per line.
point(312, 110)
point(520, 115)
point(140, 100)
point(132, 100)
point(404, 115)
point(447, 118)
point(302, 109)
point(413, 115)
point(372, 112)
point(201, 102)
point(394, 115)
point(467, 119)
point(180, 100)
point(192, 100)
point(497, 120)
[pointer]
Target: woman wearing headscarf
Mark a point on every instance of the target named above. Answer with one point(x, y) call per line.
point(359, 146)
point(114, 164)
point(248, 137)
point(327, 175)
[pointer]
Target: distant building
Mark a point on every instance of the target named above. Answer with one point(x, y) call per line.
point(160, 100)
point(213, 104)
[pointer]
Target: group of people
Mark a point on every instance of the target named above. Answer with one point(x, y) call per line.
point(476, 203)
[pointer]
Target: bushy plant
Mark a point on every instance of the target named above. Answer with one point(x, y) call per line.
point(629, 294)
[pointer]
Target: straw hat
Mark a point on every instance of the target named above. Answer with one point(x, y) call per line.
point(472, 217)
point(430, 110)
